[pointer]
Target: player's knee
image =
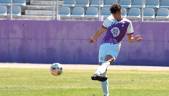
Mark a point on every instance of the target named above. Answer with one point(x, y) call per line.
point(110, 58)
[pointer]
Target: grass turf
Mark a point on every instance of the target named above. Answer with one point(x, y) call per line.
point(38, 82)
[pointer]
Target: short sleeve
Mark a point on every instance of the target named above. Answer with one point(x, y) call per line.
point(130, 28)
point(108, 21)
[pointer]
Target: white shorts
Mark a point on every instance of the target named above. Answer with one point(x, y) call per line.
point(108, 49)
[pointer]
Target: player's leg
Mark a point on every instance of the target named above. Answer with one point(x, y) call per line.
point(109, 59)
point(104, 82)
point(107, 55)
point(103, 70)
point(105, 86)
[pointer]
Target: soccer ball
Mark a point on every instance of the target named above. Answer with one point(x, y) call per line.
point(56, 69)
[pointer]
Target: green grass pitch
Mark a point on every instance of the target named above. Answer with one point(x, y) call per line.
point(38, 82)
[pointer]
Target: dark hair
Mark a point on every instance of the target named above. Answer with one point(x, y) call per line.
point(115, 8)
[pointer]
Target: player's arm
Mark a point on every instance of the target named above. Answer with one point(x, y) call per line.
point(97, 34)
point(131, 36)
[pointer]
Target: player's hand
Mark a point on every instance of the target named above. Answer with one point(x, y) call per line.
point(92, 40)
point(135, 38)
point(138, 38)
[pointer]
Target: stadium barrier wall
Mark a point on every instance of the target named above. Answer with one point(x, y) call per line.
point(67, 42)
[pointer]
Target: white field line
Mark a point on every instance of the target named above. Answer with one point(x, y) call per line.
point(84, 67)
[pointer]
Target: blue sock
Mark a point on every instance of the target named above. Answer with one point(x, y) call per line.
point(105, 87)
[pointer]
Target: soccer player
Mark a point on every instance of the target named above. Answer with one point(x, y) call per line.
point(116, 27)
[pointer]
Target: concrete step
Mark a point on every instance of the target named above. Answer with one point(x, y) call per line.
point(29, 17)
point(39, 12)
point(47, 3)
point(38, 7)
point(43, 0)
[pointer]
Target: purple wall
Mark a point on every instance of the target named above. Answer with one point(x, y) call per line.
point(67, 42)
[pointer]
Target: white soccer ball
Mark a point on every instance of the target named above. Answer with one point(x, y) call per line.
point(56, 69)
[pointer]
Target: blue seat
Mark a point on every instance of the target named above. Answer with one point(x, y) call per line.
point(109, 2)
point(96, 3)
point(19, 2)
point(64, 11)
point(16, 10)
point(5, 2)
point(15, 2)
point(162, 13)
point(125, 3)
point(92, 12)
point(152, 3)
point(138, 3)
point(124, 12)
point(134, 12)
point(149, 13)
point(105, 11)
point(164, 3)
point(69, 3)
point(82, 3)
point(78, 11)
point(3, 10)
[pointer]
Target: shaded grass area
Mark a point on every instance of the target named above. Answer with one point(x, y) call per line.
point(39, 82)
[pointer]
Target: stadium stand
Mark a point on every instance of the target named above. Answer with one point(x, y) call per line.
point(64, 11)
point(19, 2)
point(96, 3)
point(15, 2)
point(149, 13)
point(134, 13)
point(109, 2)
point(84, 9)
point(162, 13)
point(105, 12)
point(164, 3)
point(152, 3)
point(15, 11)
point(78, 12)
point(70, 3)
point(138, 3)
point(3, 10)
point(125, 3)
point(92, 12)
point(5, 2)
point(82, 3)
